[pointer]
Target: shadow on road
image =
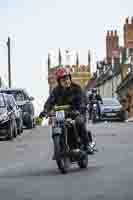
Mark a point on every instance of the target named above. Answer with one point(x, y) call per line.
point(48, 172)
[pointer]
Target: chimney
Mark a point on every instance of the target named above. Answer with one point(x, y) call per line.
point(127, 20)
point(111, 33)
point(115, 32)
point(112, 42)
point(116, 39)
point(107, 45)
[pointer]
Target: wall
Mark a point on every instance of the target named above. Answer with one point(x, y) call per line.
point(106, 88)
point(130, 100)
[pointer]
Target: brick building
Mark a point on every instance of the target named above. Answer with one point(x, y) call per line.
point(128, 36)
point(115, 73)
point(125, 89)
point(108, 70)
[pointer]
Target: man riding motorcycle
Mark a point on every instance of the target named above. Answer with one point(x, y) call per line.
point(94, 96)
point(67, 92)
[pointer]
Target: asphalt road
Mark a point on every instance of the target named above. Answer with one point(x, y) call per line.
point(27, 171)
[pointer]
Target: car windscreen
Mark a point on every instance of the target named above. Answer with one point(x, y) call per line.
point(2, 102)
point(18, 95)
point(113, 102)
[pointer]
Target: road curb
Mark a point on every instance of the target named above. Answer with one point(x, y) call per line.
point(130, 119)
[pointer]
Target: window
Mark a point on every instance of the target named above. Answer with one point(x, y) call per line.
point(19, 95)
point(2, 102)
point(11, 101)
point(111, 102)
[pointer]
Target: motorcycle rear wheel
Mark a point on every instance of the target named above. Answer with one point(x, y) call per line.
point(83, 162)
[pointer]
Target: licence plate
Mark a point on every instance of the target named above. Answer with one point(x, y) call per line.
point(60, 115)
point(57, 130)
point(110, 114)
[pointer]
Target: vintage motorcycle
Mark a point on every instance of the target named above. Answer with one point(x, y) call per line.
point(95, 115)
point(68, 147)
point(93, 111)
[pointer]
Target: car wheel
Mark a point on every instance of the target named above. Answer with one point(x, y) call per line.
point(10, 133)
point(34, 124)
point(20, 127)
point(15, 131)
point(30, 124)
point(124, 116)
point(21, 131)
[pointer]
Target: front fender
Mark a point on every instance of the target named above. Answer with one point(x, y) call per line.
point(57, 131)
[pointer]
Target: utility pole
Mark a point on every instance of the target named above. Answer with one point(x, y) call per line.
point(9, 61)
point(131, 61)
point(112, 68)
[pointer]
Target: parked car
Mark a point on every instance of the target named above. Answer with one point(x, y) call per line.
point(112, 109)
point(24, 101)
point(8, 126)
point(18, 113)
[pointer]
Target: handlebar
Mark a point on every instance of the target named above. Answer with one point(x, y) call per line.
point(62, 107)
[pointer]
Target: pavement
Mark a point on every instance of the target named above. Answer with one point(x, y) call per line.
point(130, 119)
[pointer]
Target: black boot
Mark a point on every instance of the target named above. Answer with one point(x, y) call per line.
point(89, 136)
point(89, 148)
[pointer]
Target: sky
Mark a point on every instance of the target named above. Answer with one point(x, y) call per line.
point(37, 27)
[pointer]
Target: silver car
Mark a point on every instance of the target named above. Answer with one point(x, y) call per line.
point(18, 113)
point(8, 126)
point(111, 109)
point(24, 101)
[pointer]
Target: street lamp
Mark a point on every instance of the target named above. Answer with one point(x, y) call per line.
point(9, 61)
point(112, 68)
point(131, 63)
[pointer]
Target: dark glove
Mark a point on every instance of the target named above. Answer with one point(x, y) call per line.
point(43, 114)
point(74, 114)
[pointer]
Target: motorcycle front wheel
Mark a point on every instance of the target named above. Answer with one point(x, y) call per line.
point(63, 163)
point(94, 117)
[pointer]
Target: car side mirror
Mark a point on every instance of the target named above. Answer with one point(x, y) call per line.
point(31, 98)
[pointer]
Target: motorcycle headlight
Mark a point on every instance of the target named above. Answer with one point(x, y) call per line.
point(3, 117)
point(94, 105)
